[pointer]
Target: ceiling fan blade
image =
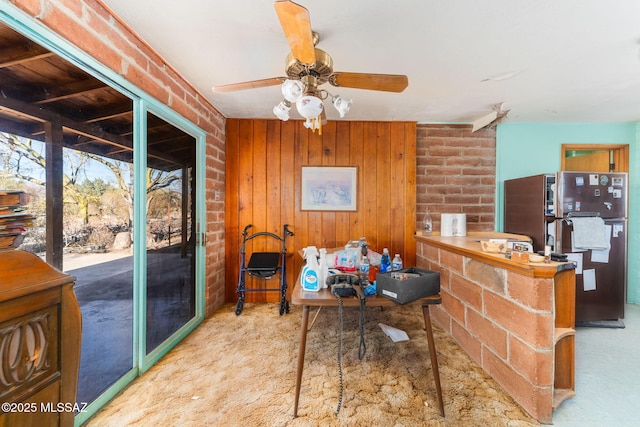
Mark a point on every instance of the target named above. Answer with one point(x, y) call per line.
point(296, 24)
point(254, 84)
point(385, 82)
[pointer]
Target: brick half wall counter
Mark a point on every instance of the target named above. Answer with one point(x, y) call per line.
point(517, 321)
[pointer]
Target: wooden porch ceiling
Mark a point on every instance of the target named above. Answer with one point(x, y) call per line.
point(38, 86)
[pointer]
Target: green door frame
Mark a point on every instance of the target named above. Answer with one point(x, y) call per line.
point(140, 252)
point(142, 103)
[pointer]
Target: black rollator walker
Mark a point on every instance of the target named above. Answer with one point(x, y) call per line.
point(264, 265)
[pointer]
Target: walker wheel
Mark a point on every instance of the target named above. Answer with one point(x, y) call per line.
point(284, 307)
point(239, 307)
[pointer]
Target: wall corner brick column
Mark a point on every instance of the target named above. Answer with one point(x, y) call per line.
point(456, 173)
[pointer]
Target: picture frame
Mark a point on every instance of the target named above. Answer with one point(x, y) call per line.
point(329, 188)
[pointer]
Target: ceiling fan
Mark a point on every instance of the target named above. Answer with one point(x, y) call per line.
point(307, 68)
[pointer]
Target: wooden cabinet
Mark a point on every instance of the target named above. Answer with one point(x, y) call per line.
point(40, 335)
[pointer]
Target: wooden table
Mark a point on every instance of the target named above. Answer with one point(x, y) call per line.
point(323, 298)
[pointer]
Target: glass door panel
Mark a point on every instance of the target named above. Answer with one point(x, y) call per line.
point(97, 230)
point(170, 285)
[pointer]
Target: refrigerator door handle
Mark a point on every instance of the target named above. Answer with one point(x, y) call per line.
point(582, 214)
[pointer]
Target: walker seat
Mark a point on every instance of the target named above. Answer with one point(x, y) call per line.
point(263, 264)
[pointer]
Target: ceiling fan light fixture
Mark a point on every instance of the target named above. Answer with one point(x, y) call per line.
point(342, 105)
point(309, 106)
point(282, 110)
point(292, 90)
point(309, 124)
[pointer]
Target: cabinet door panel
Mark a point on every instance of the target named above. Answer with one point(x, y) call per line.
point(28, 353)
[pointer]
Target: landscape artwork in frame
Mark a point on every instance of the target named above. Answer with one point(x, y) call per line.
point(328, 188)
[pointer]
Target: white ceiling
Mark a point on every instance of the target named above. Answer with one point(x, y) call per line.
point(569, 60)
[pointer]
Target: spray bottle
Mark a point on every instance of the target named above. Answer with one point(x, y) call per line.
point(310, 277)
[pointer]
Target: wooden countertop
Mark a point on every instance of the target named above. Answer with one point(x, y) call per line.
point(469, 246)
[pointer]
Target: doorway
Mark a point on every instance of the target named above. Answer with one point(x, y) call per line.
point(595, 157)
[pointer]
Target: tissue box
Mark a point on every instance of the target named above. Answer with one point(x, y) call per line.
point(407, 284)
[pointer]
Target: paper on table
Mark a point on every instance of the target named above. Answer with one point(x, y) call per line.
point(394, 333)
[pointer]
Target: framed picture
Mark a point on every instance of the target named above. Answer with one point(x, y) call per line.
point(329, 188)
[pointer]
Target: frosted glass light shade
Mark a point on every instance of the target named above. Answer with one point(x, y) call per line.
point(342, 105)
point(282, 110)
point(309, 106)
point(292, 90)
point(308, 123)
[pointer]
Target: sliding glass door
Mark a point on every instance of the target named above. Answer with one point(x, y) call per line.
point(171, 242)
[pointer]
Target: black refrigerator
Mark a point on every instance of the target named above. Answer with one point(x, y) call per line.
point(583, 215)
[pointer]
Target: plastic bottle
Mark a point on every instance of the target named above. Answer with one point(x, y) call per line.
point(309, 276)
point(323, 269)
point(364, 271)
point(362, 242)
point(396, 264)
point(385, 261)
point(428, 224)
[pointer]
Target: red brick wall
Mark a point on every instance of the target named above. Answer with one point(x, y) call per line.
point(92, 28)
point(456, 173)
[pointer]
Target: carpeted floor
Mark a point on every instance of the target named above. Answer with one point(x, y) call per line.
point(240, 371)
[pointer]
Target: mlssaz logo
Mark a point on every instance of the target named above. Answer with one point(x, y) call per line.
point(63, 407)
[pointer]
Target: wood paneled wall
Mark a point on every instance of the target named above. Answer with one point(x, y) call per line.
point(264, 160)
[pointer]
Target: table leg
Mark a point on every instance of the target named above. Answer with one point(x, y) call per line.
point(434, 357)
point(301, 351)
